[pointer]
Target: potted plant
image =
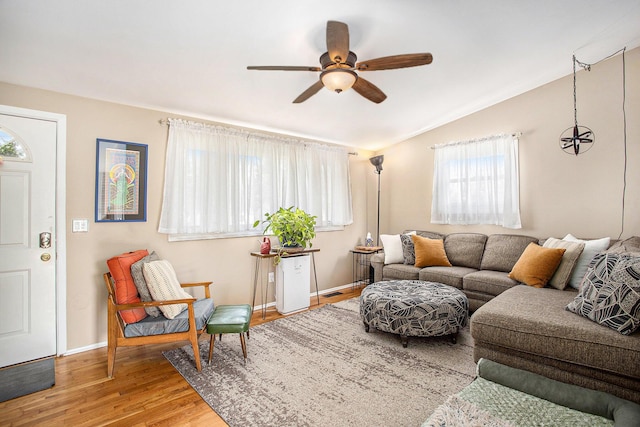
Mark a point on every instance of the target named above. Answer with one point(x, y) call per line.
point(293, 227)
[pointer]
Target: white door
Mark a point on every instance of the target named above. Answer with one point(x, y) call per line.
point(27, 216)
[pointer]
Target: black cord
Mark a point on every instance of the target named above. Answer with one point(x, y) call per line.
point(624, 138)
point(587, 67)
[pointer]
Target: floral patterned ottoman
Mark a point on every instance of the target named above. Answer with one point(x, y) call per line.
point(414, 308)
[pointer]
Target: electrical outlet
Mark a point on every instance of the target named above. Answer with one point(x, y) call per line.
point(271, 277)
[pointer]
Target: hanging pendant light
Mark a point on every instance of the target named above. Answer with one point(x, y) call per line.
point(576, 139)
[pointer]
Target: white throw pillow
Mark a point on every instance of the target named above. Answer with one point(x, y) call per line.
point(591, 249)
point(393, 248)
point(163, 285)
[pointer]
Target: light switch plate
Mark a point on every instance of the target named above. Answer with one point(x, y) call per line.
point(79, 225)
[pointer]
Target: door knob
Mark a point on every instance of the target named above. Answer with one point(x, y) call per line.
point(45, 257)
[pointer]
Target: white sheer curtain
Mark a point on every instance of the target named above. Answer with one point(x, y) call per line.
point(219, 180)
point(476, 182)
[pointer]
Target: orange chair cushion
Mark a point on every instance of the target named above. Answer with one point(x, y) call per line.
point(126, 292)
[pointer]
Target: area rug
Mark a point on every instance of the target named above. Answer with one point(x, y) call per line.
point(320, 368)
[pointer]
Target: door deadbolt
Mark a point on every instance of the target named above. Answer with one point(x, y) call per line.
point(45, 257)
point(45, 240)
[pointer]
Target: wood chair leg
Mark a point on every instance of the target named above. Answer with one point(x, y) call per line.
point(244, 347)
point(111, 359)
point(196, 352)
point(211, 345)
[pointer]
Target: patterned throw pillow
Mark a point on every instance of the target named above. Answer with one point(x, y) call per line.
point(163, 285)
point(408, 250)
point(610, 292)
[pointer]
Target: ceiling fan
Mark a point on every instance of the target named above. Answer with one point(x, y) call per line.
point(339, 66)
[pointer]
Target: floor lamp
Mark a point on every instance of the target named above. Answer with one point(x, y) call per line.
point(377, 162)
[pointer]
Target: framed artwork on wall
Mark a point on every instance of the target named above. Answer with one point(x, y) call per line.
point(121, 181)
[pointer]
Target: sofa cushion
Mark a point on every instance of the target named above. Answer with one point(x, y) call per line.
point(591, 248)
point(536, 265)
point(630, 245)
point(141, 284)
point(465, 249)
point(560, 278)
point(534, 321)
point(429, 252)
point(427, 234)
point(125, 288)
point(400, 272)
point(502, 251)
point(202, 309)
point(451, 276)
point(163, 285)
point(610, 292)
point(488, 282)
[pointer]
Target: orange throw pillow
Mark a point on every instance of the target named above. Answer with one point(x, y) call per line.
point(126, 291)
point(429, 252)
point(536, 265)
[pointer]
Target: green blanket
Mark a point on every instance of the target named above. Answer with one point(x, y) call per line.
point(503, 396)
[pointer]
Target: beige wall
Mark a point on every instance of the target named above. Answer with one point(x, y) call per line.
point(225, 261)
point(559, 193)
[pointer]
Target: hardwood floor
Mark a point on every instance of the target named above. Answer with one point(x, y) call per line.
point(146, 389)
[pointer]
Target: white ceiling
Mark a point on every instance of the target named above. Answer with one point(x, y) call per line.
point(190, 57)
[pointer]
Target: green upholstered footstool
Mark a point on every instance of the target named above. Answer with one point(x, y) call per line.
point(229, 319)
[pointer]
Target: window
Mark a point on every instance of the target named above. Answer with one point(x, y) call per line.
point(12, 147)
point(476, 182)
point(219, 180)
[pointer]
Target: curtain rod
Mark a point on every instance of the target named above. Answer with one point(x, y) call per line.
point(514, 135)
point(165, 122)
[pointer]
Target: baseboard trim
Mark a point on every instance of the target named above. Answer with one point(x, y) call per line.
point(311, 295)
point(257, 307)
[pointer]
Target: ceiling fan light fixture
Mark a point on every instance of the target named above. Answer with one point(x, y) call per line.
point(338, 80)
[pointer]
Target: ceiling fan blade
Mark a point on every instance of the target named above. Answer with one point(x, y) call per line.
point(395, 61)
point(369, 90)
point(282, 68)
point(312, 90)
point(337, 41)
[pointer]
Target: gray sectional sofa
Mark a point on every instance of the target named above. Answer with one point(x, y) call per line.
point(524, 327)
point(481, 264)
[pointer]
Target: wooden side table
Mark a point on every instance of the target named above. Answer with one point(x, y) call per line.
point(260, 276)
point(361, 258)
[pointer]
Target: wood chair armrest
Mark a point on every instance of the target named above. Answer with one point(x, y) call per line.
point(143, 304)
point(205, 285)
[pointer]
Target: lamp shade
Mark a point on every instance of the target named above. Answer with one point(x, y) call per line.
point(377, 162)
point(338, 80)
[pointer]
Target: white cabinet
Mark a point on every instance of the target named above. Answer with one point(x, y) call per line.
point(293, 281)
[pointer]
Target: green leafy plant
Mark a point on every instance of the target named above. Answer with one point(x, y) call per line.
point(293, 227)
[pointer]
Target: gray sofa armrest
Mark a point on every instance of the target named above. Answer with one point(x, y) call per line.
point(377, 262)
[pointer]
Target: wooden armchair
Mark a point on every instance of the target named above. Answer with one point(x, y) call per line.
point(187, 326)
